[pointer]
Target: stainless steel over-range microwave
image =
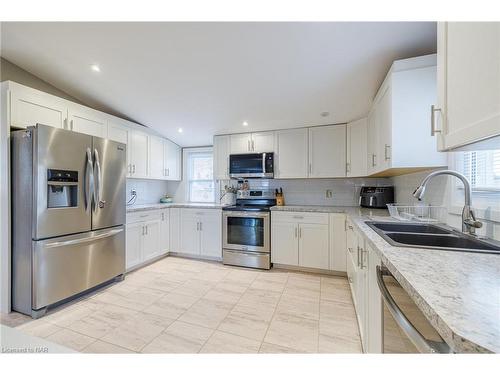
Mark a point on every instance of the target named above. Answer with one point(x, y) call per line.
point(256, 165)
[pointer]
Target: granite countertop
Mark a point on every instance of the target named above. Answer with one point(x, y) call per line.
point(459, 293)
point(158, 206)
point(350, 210)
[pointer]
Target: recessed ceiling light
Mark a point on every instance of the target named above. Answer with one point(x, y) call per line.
point(325, 114)
point(95, 68)
point(180, 130)
point(245, 123)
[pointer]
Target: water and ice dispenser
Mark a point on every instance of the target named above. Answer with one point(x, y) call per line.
point(62, 188)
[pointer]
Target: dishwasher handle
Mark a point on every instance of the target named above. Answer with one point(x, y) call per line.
point(421, 343)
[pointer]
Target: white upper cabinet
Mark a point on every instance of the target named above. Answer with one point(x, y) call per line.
point(468, 105)
point(327, 151)
point(357, 163)
point(399, 137)
point(221, 157)
point(240, 143)
point(172, 160)
point(157, 168)
point(29, 107)
point(139, 151)
point(291, 154)
point(252, 142)
point(263, 142)
point(87, 121)
point(119, 131)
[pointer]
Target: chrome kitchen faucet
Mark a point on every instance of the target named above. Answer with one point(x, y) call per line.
point(469, 222)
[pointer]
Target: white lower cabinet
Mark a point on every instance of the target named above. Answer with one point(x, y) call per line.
point(361, 273)
point(338, 242)
point(284, 246)
point(145, 232)
point(301, 239)
point(201, 232)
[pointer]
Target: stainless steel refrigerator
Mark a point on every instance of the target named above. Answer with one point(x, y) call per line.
point(68, 215)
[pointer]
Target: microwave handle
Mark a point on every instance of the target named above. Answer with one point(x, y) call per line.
point(421, 343)
point(264, 162)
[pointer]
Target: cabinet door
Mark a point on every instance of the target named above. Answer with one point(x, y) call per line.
point(314, 246)
point(30, 107)
point(87, 121)
point(327, 151)
point(374, 311)
point(119, 132)
point(164, 231)
point(240, 143)
point(285, 245)
point(468, 81)
point(357, 152)
point(338, 243)
point(139, 154)
point(211, 235)
point(361, 286)
point(372, 143)
point(292, 153)
point(175, 227)
point(189, 232)
point(151, 241)
point(221, 157)
point(172, 159)
point(133, 253)
point(157, 168)
point(263, 142)
point(384, 128)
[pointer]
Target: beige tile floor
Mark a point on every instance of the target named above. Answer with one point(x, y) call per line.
point(181, 305)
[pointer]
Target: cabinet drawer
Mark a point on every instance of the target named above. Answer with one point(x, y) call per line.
point(300, 217)
point(135, 217)
point(201, 212)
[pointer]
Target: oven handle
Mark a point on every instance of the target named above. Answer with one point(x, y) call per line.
point(421, 343)
point(246, 214)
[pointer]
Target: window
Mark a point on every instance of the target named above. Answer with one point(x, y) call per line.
point(200, 175)
point(482, 168)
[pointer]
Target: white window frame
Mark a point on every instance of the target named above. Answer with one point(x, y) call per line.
point(485, 202)
point(187, 174)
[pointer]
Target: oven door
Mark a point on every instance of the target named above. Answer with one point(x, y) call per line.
point(248, 165)
point(246, 231)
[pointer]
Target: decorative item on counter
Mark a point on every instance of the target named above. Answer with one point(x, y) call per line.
point(166, 199)
point(280, 199)
point(246, 185)
point(228, 196)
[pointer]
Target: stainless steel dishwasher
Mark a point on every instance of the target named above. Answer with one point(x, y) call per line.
point(405, 328)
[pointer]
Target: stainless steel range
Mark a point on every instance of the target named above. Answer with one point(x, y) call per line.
point(247, 229)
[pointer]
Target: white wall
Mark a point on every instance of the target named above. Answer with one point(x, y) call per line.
point(148, 191)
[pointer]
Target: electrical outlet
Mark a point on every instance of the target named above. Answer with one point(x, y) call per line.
point(133, 192)
point(329, 193)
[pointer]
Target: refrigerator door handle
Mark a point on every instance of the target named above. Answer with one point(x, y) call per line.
point(83, 240)
point(89, 181)
point(97, 181)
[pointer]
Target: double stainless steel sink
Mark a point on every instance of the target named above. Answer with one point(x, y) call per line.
point(432, 236)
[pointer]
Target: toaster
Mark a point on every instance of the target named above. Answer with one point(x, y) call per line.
point(376, 196)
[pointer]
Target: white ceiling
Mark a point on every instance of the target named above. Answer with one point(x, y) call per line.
point(210, 77)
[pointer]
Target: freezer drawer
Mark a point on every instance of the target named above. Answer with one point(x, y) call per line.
point(65, 266)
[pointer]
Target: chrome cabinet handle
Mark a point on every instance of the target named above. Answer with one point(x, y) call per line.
point(142, 230)
point(298, 217)
point(348, 167)
point(295, 232)
point(374, 163)
point(71, 122)
point(385, 152)
point(253, 145)
point(89, 181)
point(300, 232)
point(358, 261)
point(421, 343)
point(433, 120)
point(310, 168)
point(248, 146)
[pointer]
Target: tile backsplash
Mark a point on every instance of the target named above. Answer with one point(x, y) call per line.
point(148, 191)
point(345, 192)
